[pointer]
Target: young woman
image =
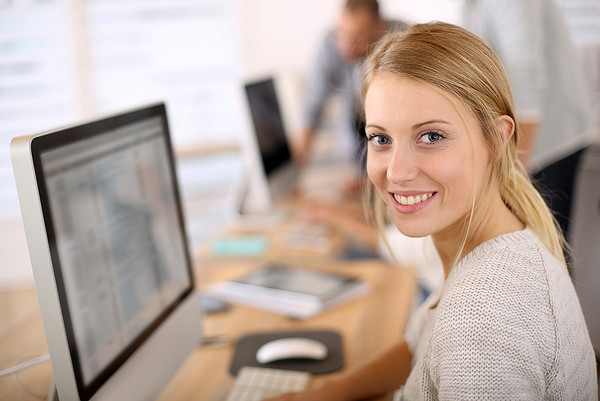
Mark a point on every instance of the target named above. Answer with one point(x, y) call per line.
point(442, 158)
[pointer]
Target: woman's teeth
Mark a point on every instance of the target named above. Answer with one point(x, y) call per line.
point(411, 200)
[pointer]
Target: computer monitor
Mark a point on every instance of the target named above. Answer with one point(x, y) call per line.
point(271, 173)
point(106, 237)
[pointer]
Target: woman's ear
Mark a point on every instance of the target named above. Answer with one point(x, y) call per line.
point(506, 127)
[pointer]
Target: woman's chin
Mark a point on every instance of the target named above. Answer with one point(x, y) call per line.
point(412, 232)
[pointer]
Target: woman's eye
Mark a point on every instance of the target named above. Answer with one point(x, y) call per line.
point(379, 140)
point(431, 137)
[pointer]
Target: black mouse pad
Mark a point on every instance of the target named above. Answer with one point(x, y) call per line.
point(246, 348)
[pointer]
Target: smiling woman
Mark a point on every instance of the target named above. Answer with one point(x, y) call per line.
point(442, 158)
point(427, 162)
point(476, 101)
point(441, 126)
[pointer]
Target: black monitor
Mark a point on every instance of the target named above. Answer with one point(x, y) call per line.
point(268, 125)
point(106, 237)
point(271, 170)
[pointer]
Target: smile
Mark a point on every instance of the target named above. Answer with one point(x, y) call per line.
point(412, 200)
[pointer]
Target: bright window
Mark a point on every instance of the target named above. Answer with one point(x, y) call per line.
point(65, 60)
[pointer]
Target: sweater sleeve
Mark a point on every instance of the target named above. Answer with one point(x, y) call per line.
point(515, 30)
point(322, 78)
point(493, 334)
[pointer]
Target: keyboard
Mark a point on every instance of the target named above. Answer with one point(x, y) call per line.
point(255, 384)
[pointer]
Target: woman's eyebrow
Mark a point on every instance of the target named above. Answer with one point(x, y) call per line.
point(377, 127)
point(417, 126)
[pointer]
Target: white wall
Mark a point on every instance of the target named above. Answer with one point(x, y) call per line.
point(423, 10)
point(278, 36)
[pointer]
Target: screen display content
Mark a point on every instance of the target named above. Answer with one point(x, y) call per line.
point(117, 238)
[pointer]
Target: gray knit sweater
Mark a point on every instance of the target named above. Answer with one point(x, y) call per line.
point(508, 326)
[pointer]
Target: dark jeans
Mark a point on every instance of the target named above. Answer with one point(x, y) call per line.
point(556, 183)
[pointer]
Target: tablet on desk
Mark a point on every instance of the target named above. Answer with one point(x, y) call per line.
point(292, 291)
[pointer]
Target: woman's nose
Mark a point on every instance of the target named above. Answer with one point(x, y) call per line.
point(402, 167)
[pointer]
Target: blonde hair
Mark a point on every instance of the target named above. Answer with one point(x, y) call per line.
point(460, 64)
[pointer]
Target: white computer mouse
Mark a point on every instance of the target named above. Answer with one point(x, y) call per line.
point(291, 348)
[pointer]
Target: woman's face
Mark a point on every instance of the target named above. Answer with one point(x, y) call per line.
point(424, 159)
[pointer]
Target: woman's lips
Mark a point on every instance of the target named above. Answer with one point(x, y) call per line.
point(411, 202)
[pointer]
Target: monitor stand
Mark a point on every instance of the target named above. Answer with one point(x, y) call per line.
point(266, 217)
point(238, 219)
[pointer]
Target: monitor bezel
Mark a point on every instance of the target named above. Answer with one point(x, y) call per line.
point(259, 193)
point(79, 132)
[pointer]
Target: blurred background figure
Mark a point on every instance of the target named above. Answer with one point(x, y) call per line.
point(552, 98)
point(337, 69)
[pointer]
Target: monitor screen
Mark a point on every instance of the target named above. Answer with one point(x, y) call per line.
point(112, 215)
point(268, 124)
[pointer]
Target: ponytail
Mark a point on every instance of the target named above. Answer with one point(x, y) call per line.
point(520, 195)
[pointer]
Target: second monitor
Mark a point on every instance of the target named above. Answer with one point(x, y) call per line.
point(271, 172)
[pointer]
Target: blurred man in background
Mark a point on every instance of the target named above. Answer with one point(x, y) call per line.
point(337, 69)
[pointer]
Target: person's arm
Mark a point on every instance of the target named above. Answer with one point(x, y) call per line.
point(347, 218)
point(320, 81)
point(528, 137)
point(301, 145)
point(515, 31)
point(384, 373)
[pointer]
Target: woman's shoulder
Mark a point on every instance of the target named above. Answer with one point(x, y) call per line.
point(513, 303)
point(517, 258)
point(503, 282)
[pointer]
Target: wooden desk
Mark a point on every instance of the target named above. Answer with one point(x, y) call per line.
point(367, 324)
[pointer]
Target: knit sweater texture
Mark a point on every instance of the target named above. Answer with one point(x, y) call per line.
point(507, 325)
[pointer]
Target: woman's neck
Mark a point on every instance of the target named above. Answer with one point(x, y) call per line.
point(497, 220)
